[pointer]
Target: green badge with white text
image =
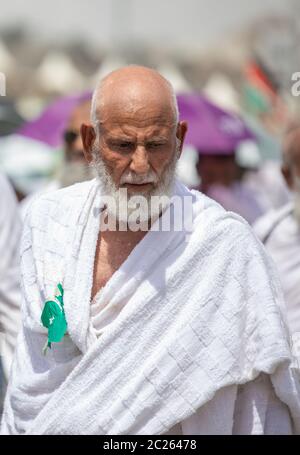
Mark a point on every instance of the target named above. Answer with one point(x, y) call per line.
point(54, 319)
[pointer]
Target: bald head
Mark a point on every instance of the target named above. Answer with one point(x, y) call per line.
point(134, 90)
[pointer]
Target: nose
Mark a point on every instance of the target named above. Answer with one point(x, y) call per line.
point(140, 161)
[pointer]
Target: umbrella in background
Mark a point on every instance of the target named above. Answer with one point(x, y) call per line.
point(210, 128)
point(10, 119)
point(49, 126)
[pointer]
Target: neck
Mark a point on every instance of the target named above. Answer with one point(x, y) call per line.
point(123, 237)
point(121, 232)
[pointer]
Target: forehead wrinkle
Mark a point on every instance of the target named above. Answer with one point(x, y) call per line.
point(137, 127)
point(128, 131)
point(142, 124)
point(136, 113)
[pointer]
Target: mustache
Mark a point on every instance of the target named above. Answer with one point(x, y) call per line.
point(163, 183)
point(131, 177)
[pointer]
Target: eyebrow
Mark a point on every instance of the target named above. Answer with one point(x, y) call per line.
point(157, 139)
point(130, 139)
point(120, 139)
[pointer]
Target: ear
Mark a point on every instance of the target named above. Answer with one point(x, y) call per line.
point(287, 176)
point(182, 128)
point(88, 137)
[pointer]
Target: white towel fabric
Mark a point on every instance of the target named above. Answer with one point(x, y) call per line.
point(98, 314)
point(280, 233)
point(252, 408)
point(202, 314)
point(10, 294)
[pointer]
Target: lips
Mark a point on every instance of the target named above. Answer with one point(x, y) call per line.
point(139, 184)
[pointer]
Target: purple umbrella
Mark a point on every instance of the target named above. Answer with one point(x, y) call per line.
point(49, 126)
point(210, 128)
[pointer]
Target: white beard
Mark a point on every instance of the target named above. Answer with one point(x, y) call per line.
point(126, 206)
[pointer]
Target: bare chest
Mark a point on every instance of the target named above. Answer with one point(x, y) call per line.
point(110, 255)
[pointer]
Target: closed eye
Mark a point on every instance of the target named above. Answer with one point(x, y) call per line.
point(153, 145)
point(123, 146)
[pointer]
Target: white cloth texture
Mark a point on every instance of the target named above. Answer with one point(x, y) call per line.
point(249, 409)
point(28, 200)
point(202, 315)
point(280, 233)
point(10, 293)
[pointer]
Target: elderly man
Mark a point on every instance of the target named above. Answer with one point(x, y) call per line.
point(158, 317)
point(280, 232)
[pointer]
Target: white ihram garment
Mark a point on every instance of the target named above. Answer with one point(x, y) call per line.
point(280, 233)
point(10, 294)
point(249, 409)
point(199, 331)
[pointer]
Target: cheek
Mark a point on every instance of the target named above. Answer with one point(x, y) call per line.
point(115, 163)
point(160, 161)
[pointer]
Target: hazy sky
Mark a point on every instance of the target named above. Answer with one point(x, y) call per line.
point(170, 22)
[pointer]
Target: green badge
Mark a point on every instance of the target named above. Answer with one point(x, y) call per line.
point(54, 319)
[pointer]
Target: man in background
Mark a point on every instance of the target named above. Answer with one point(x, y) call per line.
point(279, 230)
point(222, 180)
point(74, 167)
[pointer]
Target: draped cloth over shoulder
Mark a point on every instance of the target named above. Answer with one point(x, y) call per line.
point(10, 295)
point(202, 313)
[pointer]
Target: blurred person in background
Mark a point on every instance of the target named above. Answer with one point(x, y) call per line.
point(268, 185)
point(279, 230)
point(222, 180)
point(10, 295)
point(74, 167)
